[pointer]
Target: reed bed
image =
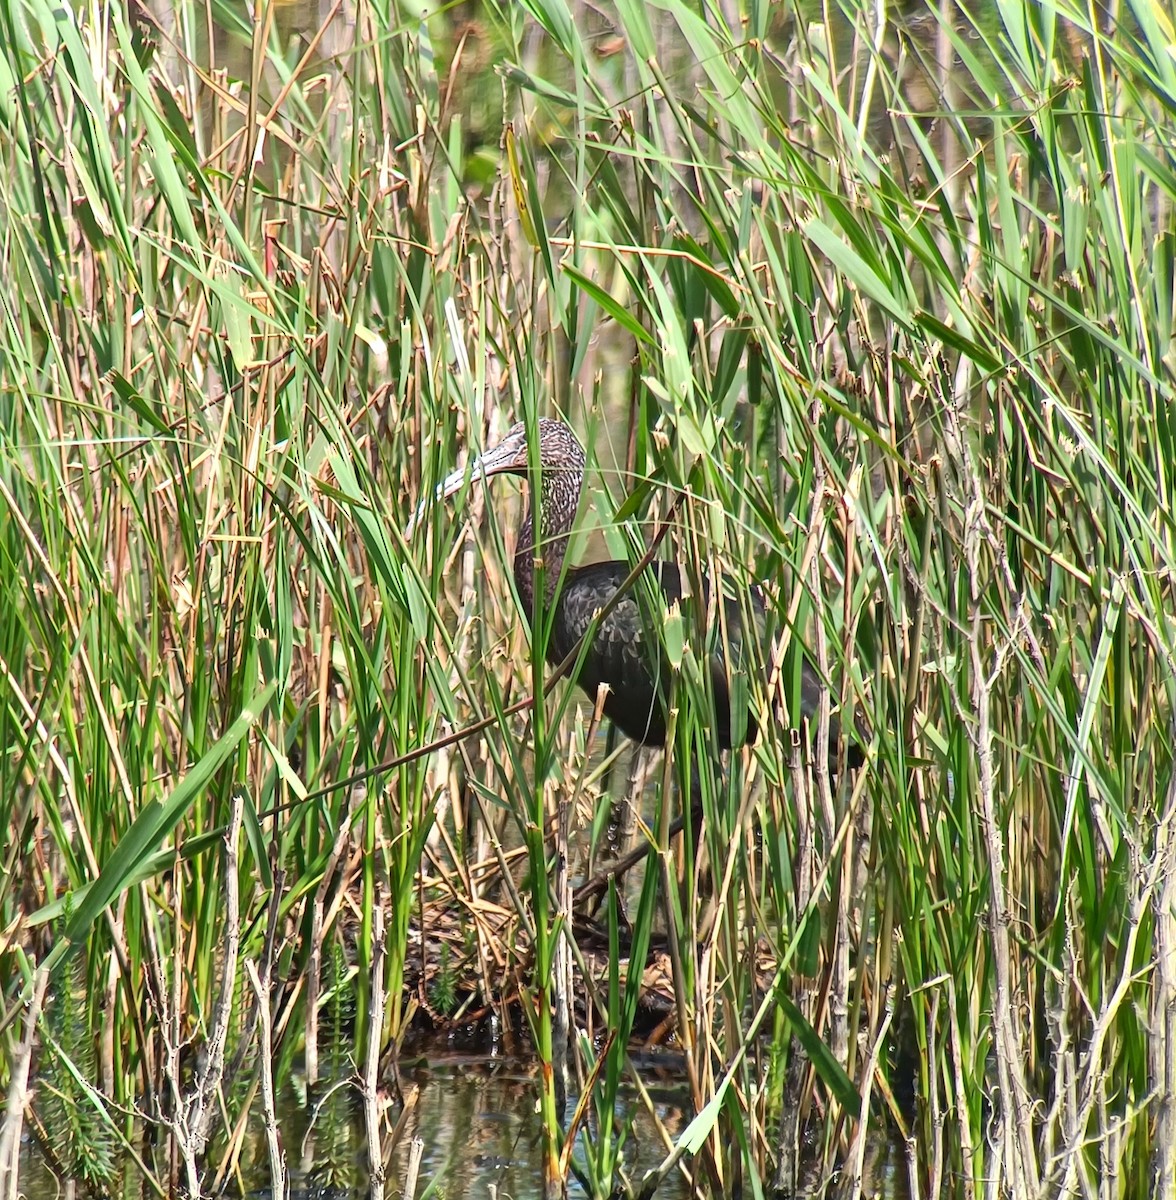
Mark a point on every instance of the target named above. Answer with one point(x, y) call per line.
point(873, 305)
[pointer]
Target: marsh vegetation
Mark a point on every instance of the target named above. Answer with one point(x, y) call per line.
point(871, 304)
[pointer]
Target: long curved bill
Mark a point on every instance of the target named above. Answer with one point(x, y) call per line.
point(501, 459)
point(450, 484)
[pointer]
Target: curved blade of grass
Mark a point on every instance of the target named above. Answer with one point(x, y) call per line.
point(153, 824)
point(832, 1073)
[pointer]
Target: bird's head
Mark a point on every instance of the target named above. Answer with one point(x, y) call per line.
point(560, 455)
point(558, 451)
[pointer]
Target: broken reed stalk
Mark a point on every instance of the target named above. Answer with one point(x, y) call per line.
point(18, 1092)
point(934, 1103)
point(861, 1130)
point(261, 990)
point(958, 1051)
point(369, 1082)
point(416, 1151)
point(1018, 1148)
point(194, 1111)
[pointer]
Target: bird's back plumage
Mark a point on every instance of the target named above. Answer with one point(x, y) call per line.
point(626, 652)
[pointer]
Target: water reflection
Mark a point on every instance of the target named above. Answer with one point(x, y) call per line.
point(481, 1133)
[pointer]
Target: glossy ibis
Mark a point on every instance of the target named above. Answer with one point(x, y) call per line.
point(621, 654)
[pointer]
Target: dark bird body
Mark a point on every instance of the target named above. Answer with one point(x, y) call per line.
point(621, 655)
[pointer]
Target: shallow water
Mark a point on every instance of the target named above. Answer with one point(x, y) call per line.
point(481, 1132)
point(475, 1116)
point(481, 1137)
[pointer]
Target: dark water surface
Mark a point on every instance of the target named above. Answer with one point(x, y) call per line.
point(475, 1116)
point(480, 1132)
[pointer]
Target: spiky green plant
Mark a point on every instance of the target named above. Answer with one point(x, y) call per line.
point(336, 1148)
point(72, 1111)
